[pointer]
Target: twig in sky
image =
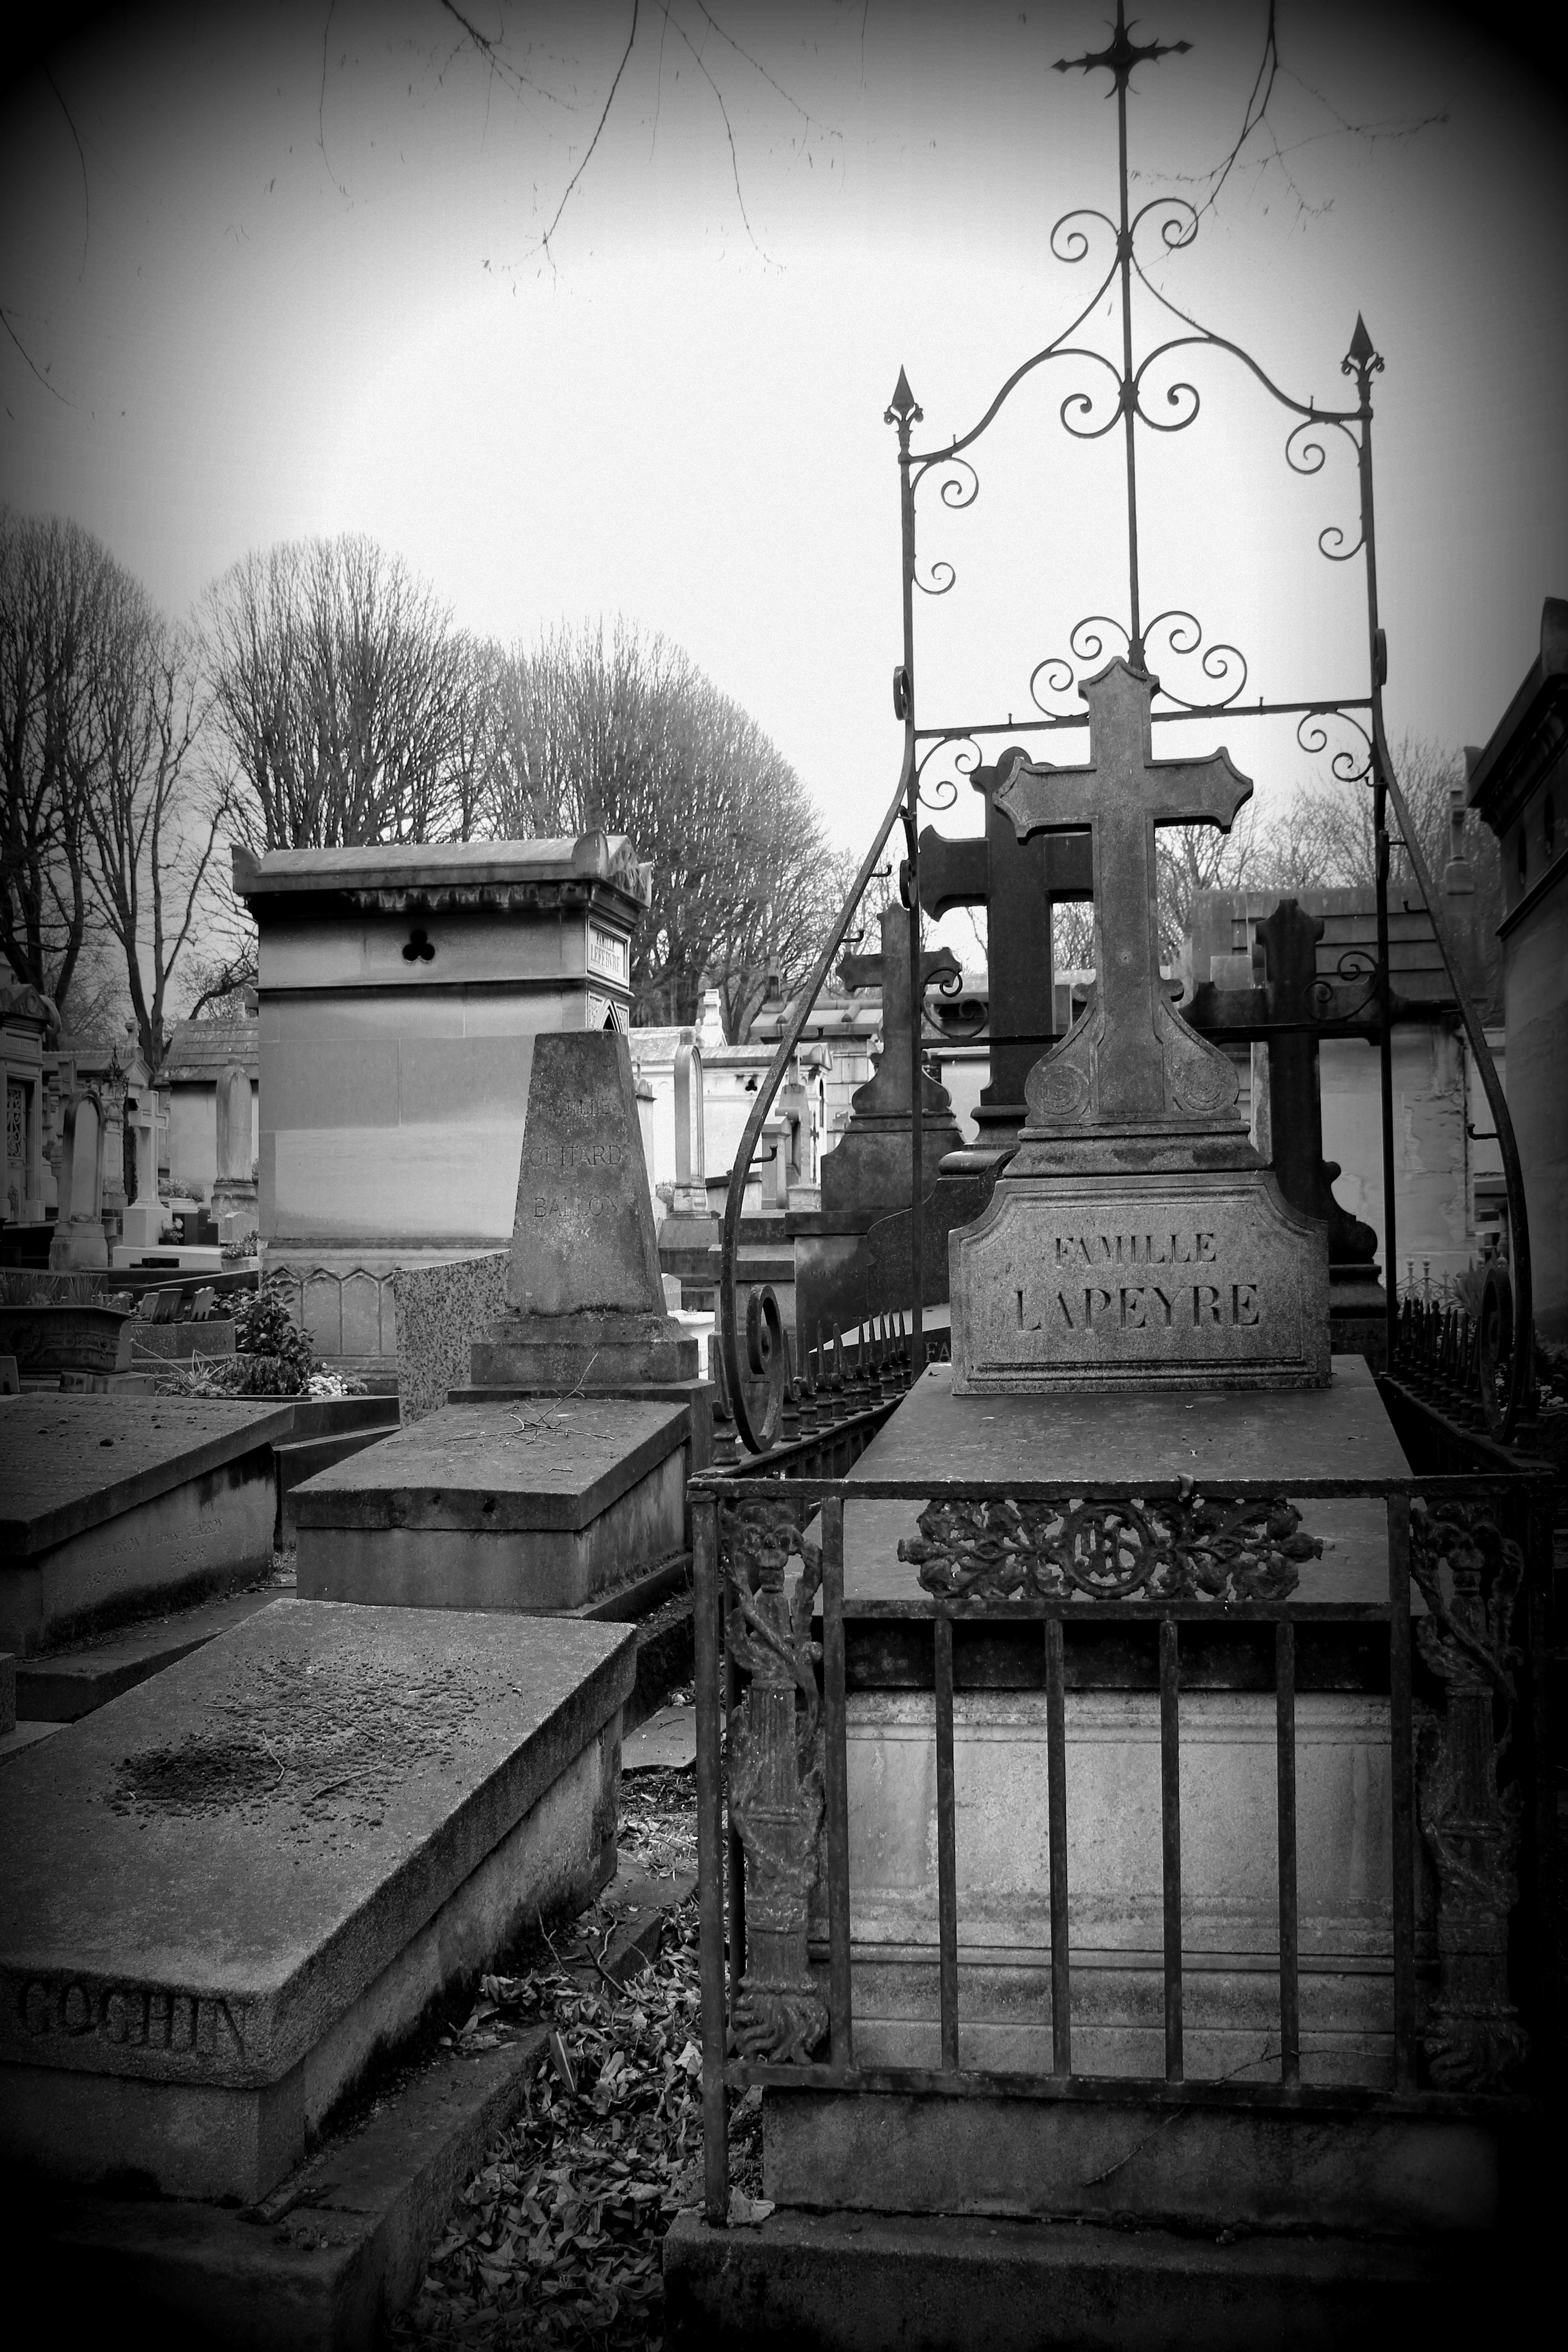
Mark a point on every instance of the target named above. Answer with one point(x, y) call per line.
point(719, 95)
point(321, 104)
point(631, 37)
point(86, 199)
point(26, 354)
point(759, 68)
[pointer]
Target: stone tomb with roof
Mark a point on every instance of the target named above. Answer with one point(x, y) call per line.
point(1141, 1313)
point(401, 988)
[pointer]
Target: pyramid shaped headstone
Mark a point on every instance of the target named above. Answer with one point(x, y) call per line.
point(584, 1297)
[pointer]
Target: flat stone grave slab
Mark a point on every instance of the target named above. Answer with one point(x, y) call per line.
point(108, 1504)
point(227, 1889)
point(534, 1503)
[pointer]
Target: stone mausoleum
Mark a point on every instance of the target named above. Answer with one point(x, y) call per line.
point(401, 988)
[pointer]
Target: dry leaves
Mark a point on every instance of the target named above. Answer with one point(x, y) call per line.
point(555, 2242)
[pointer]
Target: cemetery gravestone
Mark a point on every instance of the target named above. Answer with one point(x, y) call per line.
point(1018, 880)
point(113, 1504)
point(233, 1188)
point(1135, 1239)
point(577, 1485)
point(227, 1890)
point(584, 1299)
point(866, 1177)
point(79, 1240)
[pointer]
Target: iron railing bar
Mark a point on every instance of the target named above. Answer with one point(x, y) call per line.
point(837, 1780)
point(734, 1853)
point(1197, 710)
point(1290, 1923)
point(857, 1489)
point(1057, 1770)
point(1402, 1779)
point(1171, 1840)
point(946, 1840)
point(709, 1857)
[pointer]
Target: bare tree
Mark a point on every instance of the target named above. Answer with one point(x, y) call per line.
point(56, 584)
point(624, 732)
point(153, 815)
point(353, 708)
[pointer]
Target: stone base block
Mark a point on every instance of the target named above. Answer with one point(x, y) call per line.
point(535, 1504)
point(1198, 2168)
point(230, 1889)
point(568, 1352)
point(839, 2281)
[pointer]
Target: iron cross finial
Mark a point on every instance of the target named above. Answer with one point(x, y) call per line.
point(1123, 55)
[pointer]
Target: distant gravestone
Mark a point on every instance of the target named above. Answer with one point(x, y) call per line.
point(234, 1189)
point(80, 1239)
point(1135, 1239)
point(586, 1302)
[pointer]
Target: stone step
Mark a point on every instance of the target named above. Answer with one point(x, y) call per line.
point(70, 1683)
point(850, 2282)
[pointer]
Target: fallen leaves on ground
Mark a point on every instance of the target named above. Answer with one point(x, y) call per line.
point(659, 1818)
point(555, 2242)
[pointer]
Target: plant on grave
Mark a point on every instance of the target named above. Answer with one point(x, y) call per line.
point(272, 1357)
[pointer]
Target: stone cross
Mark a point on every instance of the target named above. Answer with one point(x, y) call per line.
point(1017, 881)
point(1136, 1067)
point(1282, 1014)
point(887, 1094)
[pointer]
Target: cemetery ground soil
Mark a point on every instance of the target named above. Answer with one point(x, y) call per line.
point(555, 2241)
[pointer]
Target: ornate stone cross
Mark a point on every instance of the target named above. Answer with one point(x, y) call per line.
point(1131, 1065)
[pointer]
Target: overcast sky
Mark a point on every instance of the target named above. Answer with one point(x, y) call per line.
point(274, 270)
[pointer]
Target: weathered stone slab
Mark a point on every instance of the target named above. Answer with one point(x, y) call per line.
point(538, 1503)
point(1176, 1281)
point(227, 1889)
point(110, 1503)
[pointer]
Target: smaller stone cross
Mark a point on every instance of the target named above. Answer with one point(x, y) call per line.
point(887, 1094)
point(1131, 1065)
point(1017, 882)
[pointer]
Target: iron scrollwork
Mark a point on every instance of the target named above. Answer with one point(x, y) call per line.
point(1469, 1820)
point(776, 1779)
point(1187, 1547)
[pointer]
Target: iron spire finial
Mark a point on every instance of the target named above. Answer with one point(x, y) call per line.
point(1362, 359)
point(904, 408)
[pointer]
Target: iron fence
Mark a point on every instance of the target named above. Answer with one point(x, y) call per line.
point(1046, 1571)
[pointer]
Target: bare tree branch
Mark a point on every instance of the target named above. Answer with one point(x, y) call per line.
point(599, 129)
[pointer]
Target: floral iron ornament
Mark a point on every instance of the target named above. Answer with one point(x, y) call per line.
point(1187, 1547)
point(776, 1780)
point(1474, 2040)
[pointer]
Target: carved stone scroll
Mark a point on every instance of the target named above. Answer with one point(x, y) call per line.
point(1473, 2041)
point(1187, 1547)
point(777, 1780)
